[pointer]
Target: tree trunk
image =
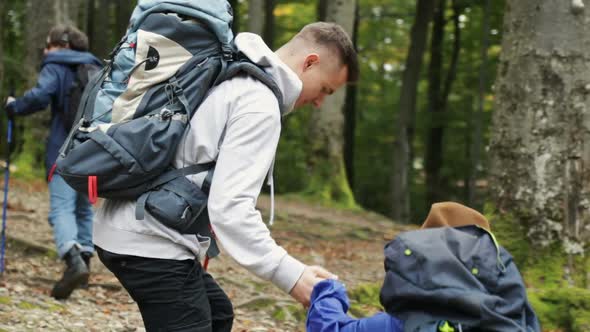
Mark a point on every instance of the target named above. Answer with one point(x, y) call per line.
point(402, 149)
point(256, 16)
point(540, 146)
point(33, 130)
point(123, 9)
point(438, 97)
point(477, 117)
point(433, 158)
point(235, 5)
point(350, 114)
point(328, 176)
point(261, 19)
point(99, 28)
point(269, 23)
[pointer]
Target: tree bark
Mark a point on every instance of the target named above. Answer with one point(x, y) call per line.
point(435, 110)
point(540, 146)
point(402, 149)
point(235, 5)
point(477, 117)
point(123, 9)
point(438, 100)
point(350, 114)
point(328, 176)
point(256, 16)
point(33, 129)
point(269, 23)
point(261, 19)
point(99, 29)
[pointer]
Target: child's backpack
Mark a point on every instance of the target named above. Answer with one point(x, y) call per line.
point(134, 113)
point(454, 279)
point(82, 74)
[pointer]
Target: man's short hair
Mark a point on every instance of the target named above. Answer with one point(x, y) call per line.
point(64, 35)
point(335, 38)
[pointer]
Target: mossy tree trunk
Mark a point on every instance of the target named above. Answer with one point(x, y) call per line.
point(328, 180)
point(540, 145)
point(32, 131)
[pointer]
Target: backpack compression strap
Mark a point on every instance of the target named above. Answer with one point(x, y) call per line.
point(165, 178)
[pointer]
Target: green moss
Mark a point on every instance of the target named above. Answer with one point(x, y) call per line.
point(280, 314)
point(562, 308)
point(364, 300)
point(557, 282)
point(5, 300)
point(29, 162)
point(260, 303)
point(27, 305)
point(298, 312)
point(328, 186)
point(54, 307)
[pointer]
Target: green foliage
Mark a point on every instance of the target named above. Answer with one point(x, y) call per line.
point(562, 308)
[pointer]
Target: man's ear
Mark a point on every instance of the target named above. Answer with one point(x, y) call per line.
point(310, 60)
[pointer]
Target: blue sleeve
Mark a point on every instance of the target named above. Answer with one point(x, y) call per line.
point(39, 97)
point(327, 313)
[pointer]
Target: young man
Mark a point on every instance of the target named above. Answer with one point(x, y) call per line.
point(238, 127)
point(70, 213)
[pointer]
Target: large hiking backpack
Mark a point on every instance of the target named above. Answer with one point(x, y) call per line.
point(82, 74)
point(133, 114)
point(454, 279)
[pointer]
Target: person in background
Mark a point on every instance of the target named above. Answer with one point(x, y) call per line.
point(70, 212)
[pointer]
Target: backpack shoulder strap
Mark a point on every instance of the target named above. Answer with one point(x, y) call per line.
point(244, 66)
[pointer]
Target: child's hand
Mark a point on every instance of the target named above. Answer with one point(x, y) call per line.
point(310, 277)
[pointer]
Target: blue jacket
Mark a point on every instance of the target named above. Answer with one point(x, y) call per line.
point(327, 313)
point(56, 77)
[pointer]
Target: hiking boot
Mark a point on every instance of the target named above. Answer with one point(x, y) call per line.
point(76, 272)
point(86, 256)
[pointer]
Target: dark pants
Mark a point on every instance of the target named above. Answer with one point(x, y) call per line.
point(172, 295)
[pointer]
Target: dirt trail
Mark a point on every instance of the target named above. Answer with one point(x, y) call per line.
point(346, 243)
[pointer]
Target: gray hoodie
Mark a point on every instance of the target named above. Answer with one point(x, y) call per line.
point(238, 126)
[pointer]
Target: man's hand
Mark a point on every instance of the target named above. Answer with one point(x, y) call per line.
point(304, 286)
point(9, 110)
point(10, 99)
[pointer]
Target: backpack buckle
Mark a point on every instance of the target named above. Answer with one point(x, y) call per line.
point(227, 53)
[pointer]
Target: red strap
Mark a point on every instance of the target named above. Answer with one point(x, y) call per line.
point(132, 45)
point(50, 176)
point(92, 189)
point(206, 263)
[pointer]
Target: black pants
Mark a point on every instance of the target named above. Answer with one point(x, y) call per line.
point(172, 295)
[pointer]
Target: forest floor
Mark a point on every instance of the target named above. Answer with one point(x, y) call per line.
point(348, 243)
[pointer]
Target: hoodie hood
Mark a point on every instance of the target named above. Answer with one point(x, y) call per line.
point(252, 46)
point(70, 57)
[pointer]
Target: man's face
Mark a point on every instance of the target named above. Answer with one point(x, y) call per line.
point(320, 79)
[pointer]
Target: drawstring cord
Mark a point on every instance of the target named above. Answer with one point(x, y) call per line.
point(271, 183)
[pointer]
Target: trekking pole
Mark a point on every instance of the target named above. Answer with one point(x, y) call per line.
point(6, 178)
